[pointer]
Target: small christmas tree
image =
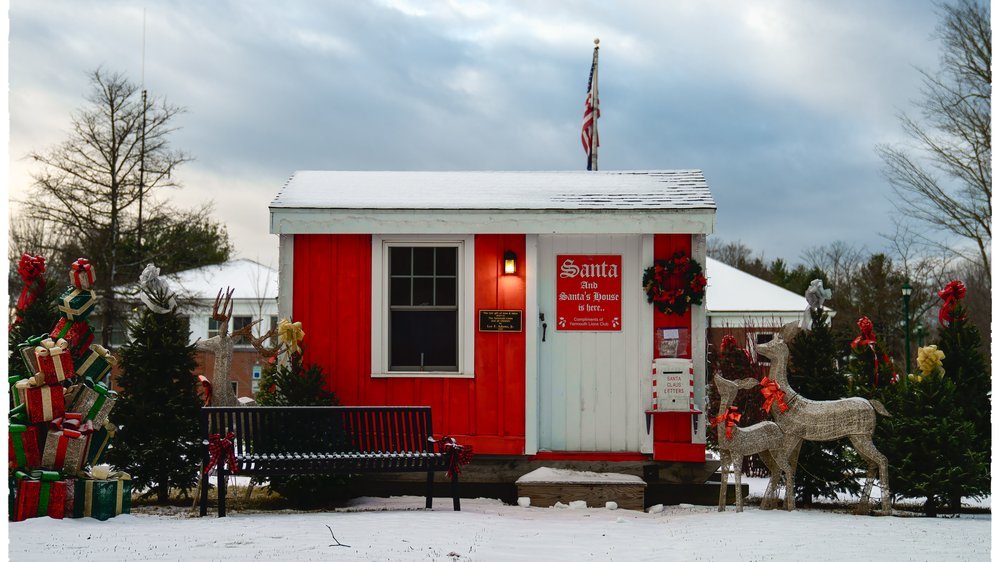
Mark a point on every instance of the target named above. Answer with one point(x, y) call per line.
point(35, 311)
point(158, 442)
point(871, 370)
point(965, 365)
point(934, 453)
point(814, 374)
point(290, 383)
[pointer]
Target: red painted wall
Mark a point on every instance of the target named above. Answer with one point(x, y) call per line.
point(664, 246)
point(332, 299)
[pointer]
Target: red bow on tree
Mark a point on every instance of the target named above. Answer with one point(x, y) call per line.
point(458, 455)
point(220, 452)
point(30, 268)
point(952, 293)
point(867, 338)
point(729, 342)
point(730, 418)
point(772, 392)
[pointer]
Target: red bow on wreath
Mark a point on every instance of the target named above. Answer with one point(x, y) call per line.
point(771, 392)
point(221, 449)
point(952, 293)
point(731, 417)
point(458, 455)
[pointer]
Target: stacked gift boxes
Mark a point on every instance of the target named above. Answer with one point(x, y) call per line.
point(59, 421)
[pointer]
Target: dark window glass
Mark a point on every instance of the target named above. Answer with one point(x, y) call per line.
point(423, 308)
point(763, 338)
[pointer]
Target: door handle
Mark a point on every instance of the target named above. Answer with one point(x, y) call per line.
point(545, 326)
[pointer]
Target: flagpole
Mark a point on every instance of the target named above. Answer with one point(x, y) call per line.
point(594, 103)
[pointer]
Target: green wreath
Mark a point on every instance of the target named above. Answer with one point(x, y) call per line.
point(675, 284)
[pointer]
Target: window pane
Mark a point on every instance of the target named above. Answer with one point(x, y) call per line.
point(399, 261)
point(241, 321)
point(423, 291)
point(423, 261)
point(213, 327)
point(399, 291)
point(424, 338)
point(445, 294)
point(447, 261)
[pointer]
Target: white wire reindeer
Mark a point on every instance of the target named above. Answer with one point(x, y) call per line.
point(827, 420)
point(736, 443)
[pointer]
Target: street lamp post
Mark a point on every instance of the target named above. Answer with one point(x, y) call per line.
point(920, 334)
point(907, 290)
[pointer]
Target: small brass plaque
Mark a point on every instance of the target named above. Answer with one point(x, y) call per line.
point(500, 320)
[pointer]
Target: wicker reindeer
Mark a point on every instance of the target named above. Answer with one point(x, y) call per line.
point(802, 419)
point(222, 347)
point(735, 443)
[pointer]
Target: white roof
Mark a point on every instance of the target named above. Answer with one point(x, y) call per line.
point(671, 189)
point(250, 279)
point(578, 202)
point(735, 292)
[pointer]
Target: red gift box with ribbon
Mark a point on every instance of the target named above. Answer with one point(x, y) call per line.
point(42, 402)
point(67, 443)
point(22, 446)
point(39, 493)
point(55, 364)
point(81, 274)
point(78, 333)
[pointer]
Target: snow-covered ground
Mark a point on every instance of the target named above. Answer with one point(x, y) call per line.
point(399, 529)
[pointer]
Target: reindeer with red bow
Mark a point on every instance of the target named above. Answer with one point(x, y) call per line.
point(802, 419)
point(735, 443)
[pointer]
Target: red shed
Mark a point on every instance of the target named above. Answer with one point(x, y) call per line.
point(510, 302)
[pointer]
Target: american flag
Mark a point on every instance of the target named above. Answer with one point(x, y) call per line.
point(591, 112)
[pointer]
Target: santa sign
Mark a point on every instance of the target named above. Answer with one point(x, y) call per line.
point(589, 293)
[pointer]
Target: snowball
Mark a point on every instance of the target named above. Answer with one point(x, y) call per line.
point(524, 501)
point(578, 504)
point(658, 508)
point(560, 505)
point(611, 505)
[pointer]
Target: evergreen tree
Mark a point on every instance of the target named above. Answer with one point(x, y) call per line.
point(158, 442)
point(933, 452)
point(823, 468)
point(34, 319)
point(291, 383)
point(871, 370)
point(966, 367)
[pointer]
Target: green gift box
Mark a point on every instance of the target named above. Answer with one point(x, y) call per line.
point(77, 304)
point(102, 499)
point(99, 441)
point(95, 363)
point(92, 399)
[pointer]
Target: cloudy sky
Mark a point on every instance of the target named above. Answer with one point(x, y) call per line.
point(779, 102)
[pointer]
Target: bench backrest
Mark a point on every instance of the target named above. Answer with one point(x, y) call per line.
point(301, 429)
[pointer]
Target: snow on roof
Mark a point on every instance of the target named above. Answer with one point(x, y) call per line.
point(250, 279)
point(731, 290)
point(570, 190)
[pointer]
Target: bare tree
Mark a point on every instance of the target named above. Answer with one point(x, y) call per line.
point(88, 185)
point(944, 178)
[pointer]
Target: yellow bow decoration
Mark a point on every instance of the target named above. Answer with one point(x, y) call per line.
point(291, 333)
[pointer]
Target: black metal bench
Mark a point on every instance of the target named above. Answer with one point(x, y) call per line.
point(281, 441)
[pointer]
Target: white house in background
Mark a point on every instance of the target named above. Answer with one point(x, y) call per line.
point(255, 296)
point(747, 307)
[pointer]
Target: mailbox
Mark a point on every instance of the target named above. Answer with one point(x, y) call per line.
point(673, 385)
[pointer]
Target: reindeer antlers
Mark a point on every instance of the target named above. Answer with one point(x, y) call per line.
point(267, 352)
point(227, 306)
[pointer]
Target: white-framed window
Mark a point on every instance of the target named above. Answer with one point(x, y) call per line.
point(213, 327)
point(422, 306)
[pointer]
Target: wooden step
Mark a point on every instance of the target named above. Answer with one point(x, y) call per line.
point(546, 486)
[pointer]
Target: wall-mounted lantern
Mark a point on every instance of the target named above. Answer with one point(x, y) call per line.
point(509, 263)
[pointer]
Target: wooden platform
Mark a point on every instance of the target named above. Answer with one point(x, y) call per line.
point(547, 486)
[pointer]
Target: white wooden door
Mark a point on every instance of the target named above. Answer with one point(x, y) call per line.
point(589, 395)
